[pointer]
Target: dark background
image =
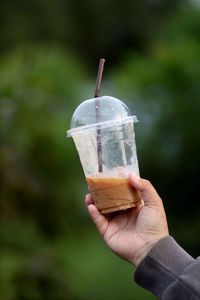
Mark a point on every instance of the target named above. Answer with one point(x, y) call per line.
point(49, 53)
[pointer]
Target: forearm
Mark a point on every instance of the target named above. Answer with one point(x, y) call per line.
point(169, 272)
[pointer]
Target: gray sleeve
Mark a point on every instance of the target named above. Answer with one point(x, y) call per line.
point(169, 272)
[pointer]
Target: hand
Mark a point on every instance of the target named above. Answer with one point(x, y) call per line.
point(132, 233)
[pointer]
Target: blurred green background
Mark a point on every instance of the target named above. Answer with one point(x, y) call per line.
point(49, 54)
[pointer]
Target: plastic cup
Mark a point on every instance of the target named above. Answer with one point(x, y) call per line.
point(110, 188)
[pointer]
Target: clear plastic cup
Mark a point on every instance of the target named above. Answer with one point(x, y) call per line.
point(107, 151)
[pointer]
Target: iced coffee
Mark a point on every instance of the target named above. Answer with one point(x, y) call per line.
point(107, 151)
point(112, 193)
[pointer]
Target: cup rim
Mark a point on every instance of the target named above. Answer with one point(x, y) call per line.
point(102, 125)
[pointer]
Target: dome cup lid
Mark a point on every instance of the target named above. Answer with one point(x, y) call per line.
point(112, 111)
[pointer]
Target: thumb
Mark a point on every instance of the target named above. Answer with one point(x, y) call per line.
point(148, 192)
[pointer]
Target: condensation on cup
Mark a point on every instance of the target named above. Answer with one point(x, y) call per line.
point(107, 151)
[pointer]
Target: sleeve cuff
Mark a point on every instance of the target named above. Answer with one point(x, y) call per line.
point(162, 265)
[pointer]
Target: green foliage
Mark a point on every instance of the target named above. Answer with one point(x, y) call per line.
point(38, 92)
point(49, 247)
point(91, 29)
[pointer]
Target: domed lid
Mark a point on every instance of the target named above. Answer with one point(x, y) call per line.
point(104, 111)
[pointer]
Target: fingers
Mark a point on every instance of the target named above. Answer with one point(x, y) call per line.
point(88, 200)
point(148, 192)
point(100, 220)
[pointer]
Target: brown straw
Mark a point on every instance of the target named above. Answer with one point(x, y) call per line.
point(97, 108)
point(99, 77)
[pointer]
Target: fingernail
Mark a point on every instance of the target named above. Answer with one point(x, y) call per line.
point(134, 177)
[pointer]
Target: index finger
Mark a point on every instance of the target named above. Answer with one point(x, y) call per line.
point(88, 200)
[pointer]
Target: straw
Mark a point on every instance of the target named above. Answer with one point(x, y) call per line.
point(97, 109)
point(99, 77)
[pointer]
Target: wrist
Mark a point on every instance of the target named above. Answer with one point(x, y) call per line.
point(143, 251)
